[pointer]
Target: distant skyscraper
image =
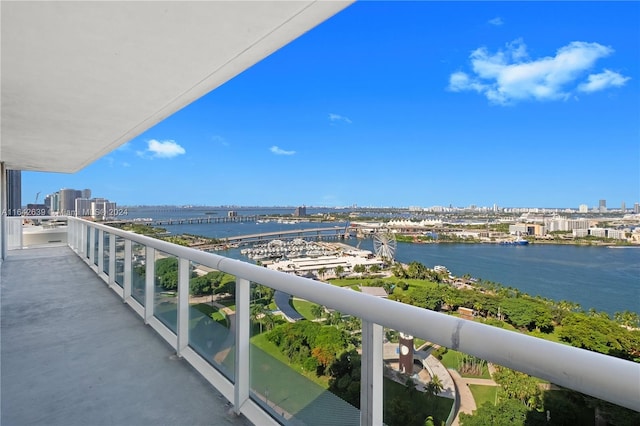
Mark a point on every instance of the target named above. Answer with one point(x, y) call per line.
point(67, 201)
point(623, 207)
point(86, 193)
point(300, 211)
point(602, 206)
point(83, 207)
point(14, 192)
point(636, 208)
point(55, 202)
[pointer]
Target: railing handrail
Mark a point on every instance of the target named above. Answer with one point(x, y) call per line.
point(602, 376)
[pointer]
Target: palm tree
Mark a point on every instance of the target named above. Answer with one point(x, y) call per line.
point(339, 270)
point(268, 319)
point(322, 271)
point(317, 310)
point(257, 313)
point(433, 388)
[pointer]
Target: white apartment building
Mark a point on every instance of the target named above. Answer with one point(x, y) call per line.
point(562, 224)
point(616, 234)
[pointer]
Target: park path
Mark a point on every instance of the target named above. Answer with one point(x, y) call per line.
point(465, 403)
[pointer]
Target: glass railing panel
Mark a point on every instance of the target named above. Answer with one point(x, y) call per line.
point(138, 272)
point(13, 231)
point(105, 252)
point(165, 296)
point(37, 232)
point(211, 315)
point(417, 387)
point(119, 278)
point(96, 245)
point(296, 348)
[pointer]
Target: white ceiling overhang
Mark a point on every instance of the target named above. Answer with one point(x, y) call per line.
point(80, 79)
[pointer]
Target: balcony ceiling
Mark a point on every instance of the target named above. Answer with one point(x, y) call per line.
point(80, 79)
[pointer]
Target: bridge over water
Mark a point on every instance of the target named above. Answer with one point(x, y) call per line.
point(334, 232)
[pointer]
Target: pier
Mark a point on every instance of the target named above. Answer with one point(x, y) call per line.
point(335, 233)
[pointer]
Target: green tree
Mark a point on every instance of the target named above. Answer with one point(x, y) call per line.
point(416, 270)
point(344, 378)
point(166, 270)
point(518, 386)
point(339, 270)
point(627, 319)
point(506, 413)
point(398, 270)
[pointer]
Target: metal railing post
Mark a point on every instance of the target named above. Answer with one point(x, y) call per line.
point(92, 244)
point(100, 251)
point(150, 272)
point(371, 383)
point(243, 333)
point(112, 258)
point(183, 305)
point(127, 269)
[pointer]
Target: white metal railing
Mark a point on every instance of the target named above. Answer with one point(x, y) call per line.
point(605, 377)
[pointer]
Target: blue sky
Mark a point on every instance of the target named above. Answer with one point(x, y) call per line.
point(406, 104)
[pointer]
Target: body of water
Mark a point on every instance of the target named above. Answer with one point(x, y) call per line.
point(607, 279)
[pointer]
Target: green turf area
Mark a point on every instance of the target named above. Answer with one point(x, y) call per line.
point(303, 307)
point(212, 312)
point(483, 394)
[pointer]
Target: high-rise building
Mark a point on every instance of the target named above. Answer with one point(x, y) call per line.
point(636, 208)
point(14, 193)
point(602, 206)
point(55, 202)
point(86, 193)
point(300, 211)
point(623, 207)
point(83, 207)
point(67, 202)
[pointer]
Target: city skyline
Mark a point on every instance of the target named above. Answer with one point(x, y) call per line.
point(405, 104)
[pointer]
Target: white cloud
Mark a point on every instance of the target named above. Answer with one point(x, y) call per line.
point(279, 151)
point(603, 81)
point(497, 21)
point(336, 117)
point(509, 75)
point(161, 149)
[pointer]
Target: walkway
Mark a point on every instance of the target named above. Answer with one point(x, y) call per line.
point(74, 354)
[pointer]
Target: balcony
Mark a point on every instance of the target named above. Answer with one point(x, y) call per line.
point(74, 354)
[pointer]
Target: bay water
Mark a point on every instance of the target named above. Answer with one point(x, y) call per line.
point(603, 278)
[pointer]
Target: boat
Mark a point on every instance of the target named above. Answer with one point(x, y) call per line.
point(519, 241)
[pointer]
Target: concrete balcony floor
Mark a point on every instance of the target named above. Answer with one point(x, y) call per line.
point(73, 354)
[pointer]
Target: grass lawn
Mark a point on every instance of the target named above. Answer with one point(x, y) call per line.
point(483, 394)
point(438, 407)
point(212, 312)
point(303, 307)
